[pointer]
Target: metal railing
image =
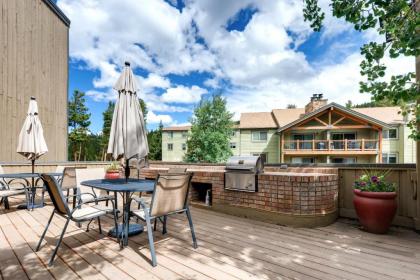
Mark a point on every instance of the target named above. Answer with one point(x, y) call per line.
point(331, 145)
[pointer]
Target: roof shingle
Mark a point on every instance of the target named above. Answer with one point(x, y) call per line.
point(257, 120)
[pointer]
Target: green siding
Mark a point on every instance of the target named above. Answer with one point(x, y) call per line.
point(270, 147)
point(176, 140)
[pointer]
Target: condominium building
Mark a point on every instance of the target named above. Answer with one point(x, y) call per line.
point(321, 132)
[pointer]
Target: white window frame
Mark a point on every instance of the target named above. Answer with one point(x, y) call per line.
point(259, 135)
point(184, 134)
point(184, 146)
point(232, 144)
point(170, 146)
point(233, 134)
point(171, 135)
point(386, 155)
point(385, 134)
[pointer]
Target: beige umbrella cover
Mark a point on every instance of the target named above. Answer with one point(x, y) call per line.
point(31, 142)
point(128, 133)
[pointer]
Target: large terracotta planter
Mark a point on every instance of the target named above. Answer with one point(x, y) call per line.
point(111, 175)
point(375, 210)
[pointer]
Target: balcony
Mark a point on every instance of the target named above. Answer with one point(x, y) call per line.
point(331, 147)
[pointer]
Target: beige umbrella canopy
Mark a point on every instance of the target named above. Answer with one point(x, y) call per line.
point(128, 133)
point(31, 142)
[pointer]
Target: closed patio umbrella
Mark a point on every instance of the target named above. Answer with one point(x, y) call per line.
point(127, 139)
point(31, 142)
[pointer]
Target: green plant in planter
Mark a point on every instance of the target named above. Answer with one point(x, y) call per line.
point(374, 181)
point(113, 167)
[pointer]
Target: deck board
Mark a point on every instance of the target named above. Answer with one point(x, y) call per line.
point(229, 248)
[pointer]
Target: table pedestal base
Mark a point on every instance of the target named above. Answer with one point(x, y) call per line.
point(133, 229)
point(31, 206)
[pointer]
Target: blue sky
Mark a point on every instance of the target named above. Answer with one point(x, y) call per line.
point(260, 55)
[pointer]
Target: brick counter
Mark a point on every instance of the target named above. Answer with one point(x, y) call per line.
point(290, 198)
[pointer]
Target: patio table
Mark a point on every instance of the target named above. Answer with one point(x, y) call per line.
point(126, 189)
point(8, 178)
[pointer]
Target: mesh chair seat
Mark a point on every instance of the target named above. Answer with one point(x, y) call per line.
point(91, 212)
point(6, 193)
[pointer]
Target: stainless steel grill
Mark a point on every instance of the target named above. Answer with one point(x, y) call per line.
point(242, 173)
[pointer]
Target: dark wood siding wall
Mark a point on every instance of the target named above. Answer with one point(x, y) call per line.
point(34, 62)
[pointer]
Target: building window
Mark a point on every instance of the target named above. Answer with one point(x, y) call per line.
point(184, 134)
point(263, 157)
point(304, 160)
point(259, 136)
point(170, 147)
point(389, 158)
point(184, 146)
point(390, 134)
point(233, 133)
point(171, 134)
point(344, 160)
point(232, 145)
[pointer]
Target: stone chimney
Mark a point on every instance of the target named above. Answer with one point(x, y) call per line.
point(317, 101)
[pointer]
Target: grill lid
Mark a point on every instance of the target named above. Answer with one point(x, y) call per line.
point(250, 163)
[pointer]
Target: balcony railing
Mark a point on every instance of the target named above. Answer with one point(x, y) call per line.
point(331, 145)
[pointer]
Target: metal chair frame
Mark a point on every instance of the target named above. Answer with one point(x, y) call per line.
point(148, 219)
point(68, 214)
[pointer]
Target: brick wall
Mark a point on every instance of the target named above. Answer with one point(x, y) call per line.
point(287, 193)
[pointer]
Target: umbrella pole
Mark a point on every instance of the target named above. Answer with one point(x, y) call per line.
point(127, 170)
point(33, 171)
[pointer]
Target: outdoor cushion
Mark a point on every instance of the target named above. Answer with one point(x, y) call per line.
point(91, 212)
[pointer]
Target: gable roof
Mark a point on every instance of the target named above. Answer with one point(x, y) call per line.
point(286, 116)
point(257, 120)
point(339, 107)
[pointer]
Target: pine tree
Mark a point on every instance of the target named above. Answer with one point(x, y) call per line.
point(154, 139)
point(78, 119)
point(210, 132)
point(106, 128)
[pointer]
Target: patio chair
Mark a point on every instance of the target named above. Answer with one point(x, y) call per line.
point(68, 182)
point(170, 196)
point(87, 192)
point(148, 199)
point(77, 214)
point(11, 188)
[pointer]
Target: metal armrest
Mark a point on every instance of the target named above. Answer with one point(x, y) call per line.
point(141, 202)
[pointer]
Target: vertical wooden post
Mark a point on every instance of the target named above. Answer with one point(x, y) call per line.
point(313, 144)
point(363, 144)
point(380, 146)
point(297, 145)
point(417, 218)
point(345, 144)
point(282, 148)
point(329, 117)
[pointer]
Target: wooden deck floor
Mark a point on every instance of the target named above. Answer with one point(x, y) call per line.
point(229, 248)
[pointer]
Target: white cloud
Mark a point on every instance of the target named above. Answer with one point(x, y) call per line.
point(102, 96)
point(152, 118)
point(182, 94)
point(260, 64)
